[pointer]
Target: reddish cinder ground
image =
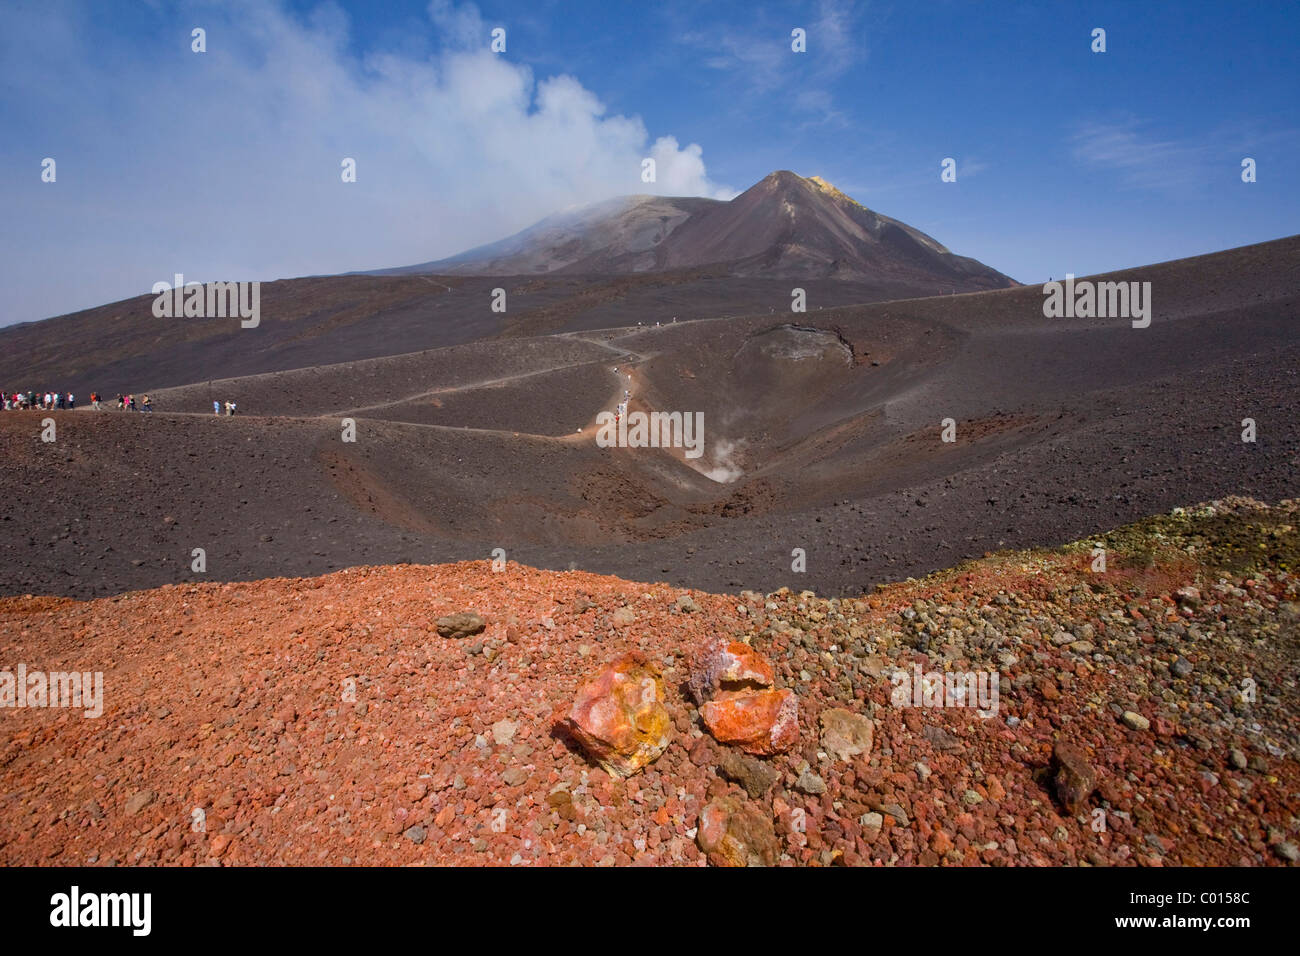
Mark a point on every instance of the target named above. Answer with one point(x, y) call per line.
point(234, 699)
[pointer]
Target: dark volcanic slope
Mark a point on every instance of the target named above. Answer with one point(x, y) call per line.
point(341, 319)
point(785, 226)
point(380, 387)
point(826, 427)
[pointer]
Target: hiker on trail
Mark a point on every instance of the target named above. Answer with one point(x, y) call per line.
point(120, 402)
point(130, 403)
point(216, 407)
point(148, 407)
point(94, 400)
point(72, 400)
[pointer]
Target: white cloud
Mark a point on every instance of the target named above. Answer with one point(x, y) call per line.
point(677, 169)
point(226, 164)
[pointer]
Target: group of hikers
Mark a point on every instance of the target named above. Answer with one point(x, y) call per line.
point(16, 401)
point(52, 401)
point(55, 401)
point(126, 402)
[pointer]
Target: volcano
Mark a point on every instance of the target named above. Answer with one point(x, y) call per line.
point(784, 226)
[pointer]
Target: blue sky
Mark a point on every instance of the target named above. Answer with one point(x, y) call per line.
point(226, 164)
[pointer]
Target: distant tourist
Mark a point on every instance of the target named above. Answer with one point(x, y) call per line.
point(216, 407)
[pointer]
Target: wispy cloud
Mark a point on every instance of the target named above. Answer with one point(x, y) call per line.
point(1145, 160)
point(761, 60)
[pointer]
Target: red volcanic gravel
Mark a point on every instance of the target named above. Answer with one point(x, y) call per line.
point(325, 721)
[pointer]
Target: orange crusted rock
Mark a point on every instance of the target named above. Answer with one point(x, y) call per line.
point(732, 666)
point(760, 722)
point(619, 717)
